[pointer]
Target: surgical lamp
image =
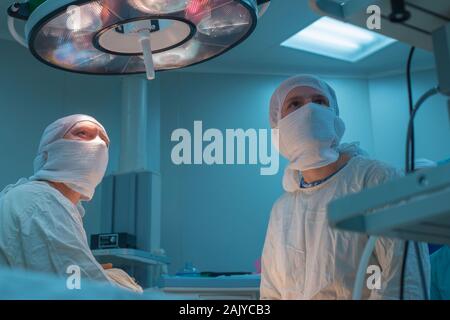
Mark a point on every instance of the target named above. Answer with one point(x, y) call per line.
point(119, 37)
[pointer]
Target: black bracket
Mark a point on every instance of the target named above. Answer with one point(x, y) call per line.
point(19, 11)
point(399, 13)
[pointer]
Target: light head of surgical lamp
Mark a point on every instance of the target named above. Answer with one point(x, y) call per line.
point(119, 37)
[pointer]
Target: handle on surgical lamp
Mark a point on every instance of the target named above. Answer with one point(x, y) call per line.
point(17, 11)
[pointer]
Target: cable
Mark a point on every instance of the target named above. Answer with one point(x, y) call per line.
point(421, 272)
point(14, 33)
point(409, 167)
point(360, 274)
point(412, 155)
point(408, 155)
point(402, 274)
point(423, 98)
point(410, 96)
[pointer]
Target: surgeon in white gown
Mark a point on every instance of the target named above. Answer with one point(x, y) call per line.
point(41, 226)
point(303, 257)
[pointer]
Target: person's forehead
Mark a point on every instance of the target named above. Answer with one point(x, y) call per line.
point(303, 91)
point(86, 124)
point(89, 125)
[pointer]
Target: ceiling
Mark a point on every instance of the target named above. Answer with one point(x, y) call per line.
point(262, 53)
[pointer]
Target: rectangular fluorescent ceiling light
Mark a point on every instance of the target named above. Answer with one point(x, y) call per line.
point(339, 40)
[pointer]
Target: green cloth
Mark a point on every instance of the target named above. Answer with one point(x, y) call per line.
point(34, 4)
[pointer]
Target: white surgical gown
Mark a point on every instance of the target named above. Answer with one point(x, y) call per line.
point(304, 258)
point(41, 230)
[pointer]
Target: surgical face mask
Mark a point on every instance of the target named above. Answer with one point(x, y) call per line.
point(80, 165)
point(309, 137)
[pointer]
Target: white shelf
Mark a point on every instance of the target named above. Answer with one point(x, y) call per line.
point(129, 257)
point(216, 288)
point(415, 207)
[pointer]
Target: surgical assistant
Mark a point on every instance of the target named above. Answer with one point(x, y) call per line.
point(41, 226)
point(303, 257)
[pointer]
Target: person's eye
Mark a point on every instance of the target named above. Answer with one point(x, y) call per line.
point(294, 105)
point(84, 134)
point(321, 101)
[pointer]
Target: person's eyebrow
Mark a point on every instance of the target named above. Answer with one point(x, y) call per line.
point(76, 129)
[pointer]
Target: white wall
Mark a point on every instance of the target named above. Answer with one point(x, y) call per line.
point(216, 216)
point(389, 110)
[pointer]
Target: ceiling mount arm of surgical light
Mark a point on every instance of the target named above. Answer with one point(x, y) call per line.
point(399, 13)
point(338, 10)
point(18, 11)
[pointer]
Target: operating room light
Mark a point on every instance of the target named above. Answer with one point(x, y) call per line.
point(339, 40)
point(134, 36)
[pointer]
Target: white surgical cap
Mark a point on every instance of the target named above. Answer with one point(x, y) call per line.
point(57, 130)
point(287, 86)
